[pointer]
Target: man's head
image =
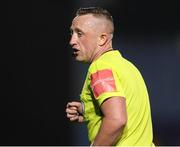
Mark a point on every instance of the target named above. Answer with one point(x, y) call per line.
point(92, 31)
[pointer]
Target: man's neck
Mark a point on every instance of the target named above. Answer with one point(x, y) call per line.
point(100, 52)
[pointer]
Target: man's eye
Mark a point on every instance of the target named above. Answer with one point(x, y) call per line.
point(79, 34)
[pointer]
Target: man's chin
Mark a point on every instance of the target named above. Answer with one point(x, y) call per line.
point(81, 60)
point(78, 59)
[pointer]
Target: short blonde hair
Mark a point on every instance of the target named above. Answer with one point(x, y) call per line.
point(97, 12)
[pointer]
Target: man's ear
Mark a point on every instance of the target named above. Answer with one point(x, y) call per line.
point(102, 39)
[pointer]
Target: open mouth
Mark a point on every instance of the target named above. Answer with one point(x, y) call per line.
point(75, 52)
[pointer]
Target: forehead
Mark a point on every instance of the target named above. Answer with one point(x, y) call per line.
point(85, 21)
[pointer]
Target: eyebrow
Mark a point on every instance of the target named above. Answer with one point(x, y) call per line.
point(76, 30)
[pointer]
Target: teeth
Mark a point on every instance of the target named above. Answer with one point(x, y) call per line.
point(75, 50)
point(73, 55)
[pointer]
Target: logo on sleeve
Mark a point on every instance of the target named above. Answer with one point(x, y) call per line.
point(102, 81)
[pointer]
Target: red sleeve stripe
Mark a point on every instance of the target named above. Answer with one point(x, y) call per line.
point(102, 81)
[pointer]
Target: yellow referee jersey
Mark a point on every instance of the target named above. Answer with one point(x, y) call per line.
point(112, 75)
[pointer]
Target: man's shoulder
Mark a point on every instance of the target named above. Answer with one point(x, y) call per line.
point(99, 65)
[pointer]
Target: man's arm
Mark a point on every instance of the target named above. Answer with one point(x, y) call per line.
point(113, 122)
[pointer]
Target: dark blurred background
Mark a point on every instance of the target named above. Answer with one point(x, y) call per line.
point(38, 75)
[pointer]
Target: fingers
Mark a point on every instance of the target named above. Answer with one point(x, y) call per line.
point(74, 104)
point(73, 109)
point(72, 115)
point(77, 117)
point(74, 118)
point(72, 112)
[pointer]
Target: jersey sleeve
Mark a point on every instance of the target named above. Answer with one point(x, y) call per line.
point(104, 82)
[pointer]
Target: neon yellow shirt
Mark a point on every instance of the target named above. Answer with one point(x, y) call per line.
point(112, 75)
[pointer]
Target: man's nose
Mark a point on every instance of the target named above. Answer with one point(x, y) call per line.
point(72, 40)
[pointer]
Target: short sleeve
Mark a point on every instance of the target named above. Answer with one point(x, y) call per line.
point(105, 83)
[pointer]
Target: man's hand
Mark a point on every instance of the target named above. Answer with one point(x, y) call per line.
point(74, 111)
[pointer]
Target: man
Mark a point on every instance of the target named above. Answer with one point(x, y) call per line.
point(114, 99)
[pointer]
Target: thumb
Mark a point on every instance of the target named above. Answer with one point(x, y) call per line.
point(81, 119)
